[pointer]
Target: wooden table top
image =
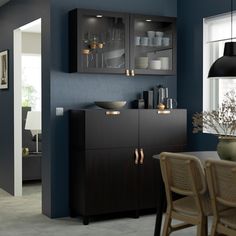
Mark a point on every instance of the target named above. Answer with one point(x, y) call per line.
point(202, 155)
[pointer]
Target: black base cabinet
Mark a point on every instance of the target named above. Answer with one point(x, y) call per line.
point(107, 182)
point(111, 164)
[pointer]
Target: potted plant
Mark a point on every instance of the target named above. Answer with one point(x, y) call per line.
point(221, 122)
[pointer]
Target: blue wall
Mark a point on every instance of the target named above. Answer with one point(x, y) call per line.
point(13, 15)
point(190, 54)
point(81, 90)
point(63, 89)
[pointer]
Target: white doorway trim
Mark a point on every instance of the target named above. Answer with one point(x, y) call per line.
point(17, 114)
point(17, 36)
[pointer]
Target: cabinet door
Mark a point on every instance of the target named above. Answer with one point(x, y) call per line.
point(99, 41)
point(149, 180)
point(162, 129)
point(111, 131)
point(150, 176)
point(111, 181)
point(153, 45)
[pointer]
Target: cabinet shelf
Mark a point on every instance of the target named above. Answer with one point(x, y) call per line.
point(154, 48)
point(149, 71)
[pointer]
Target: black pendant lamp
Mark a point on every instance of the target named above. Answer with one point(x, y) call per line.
point(225, 67)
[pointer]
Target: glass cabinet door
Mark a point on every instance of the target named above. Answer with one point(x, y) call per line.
point(104, 45)
point(153, 45)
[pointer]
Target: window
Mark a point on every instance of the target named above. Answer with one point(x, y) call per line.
point(216, 31)
point(31, 81)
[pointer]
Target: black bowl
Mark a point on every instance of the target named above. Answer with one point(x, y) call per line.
point(110, 104)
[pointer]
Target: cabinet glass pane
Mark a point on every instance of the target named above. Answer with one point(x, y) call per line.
point(103, 40)
point(153, 44)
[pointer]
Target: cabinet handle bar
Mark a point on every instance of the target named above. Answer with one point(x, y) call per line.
point(163, 112)
point(136, 156)
point(112, 113)
point(142, 156)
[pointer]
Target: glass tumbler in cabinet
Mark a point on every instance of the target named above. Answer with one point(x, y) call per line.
point(103, 42)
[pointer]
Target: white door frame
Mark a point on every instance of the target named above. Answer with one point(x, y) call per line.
point(17, 113)
point(18, 107)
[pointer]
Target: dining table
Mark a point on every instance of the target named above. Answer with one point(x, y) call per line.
point(202, 156)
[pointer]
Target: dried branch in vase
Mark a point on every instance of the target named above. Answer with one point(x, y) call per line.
point(221, 121)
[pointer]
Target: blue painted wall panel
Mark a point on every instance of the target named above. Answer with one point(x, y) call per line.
point(190, 61)
point(81, 90)
point(12, 16)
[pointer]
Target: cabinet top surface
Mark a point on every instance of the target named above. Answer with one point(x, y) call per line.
point(85, 10)
point(126, 110)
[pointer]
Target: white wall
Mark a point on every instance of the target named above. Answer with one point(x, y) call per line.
point(17, 114)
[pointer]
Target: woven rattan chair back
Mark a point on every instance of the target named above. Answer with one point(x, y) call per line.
point(183, 173)
point(222, 181)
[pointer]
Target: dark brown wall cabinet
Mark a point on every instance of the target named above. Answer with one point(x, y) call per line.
point(122, 43)
point(111, 164)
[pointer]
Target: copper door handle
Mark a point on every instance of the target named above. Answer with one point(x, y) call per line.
point(132, 73)
point(112, 113)
point(142, 156)
point(127, 73)
point(136, 156)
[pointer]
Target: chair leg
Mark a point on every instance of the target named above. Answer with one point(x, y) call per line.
point(167, 224)
point(201, 228)
point(205, 226)
point(213, 228)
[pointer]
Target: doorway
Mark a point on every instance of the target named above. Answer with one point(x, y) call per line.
point(27, 106)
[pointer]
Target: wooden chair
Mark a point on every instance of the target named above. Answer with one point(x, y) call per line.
point(184, 174)
point(221, 179)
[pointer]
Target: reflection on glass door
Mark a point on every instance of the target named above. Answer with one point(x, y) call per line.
point(103, 40)
point(153, 44)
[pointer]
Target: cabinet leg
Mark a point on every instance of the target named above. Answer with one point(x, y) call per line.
point(85, 220)
point(136, 214)
point(73, 214)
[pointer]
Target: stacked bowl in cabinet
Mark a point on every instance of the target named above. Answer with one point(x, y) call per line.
point(141, 62)
point(160, 63)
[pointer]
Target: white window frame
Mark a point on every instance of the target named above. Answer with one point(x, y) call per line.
point(211, 86)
